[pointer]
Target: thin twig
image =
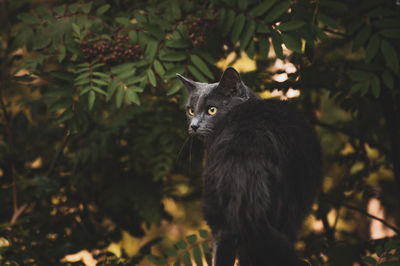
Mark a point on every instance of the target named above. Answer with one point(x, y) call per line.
point(59, 151)
point(17, 213)
point(395, 229)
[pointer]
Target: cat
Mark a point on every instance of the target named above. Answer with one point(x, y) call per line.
point(262, 171)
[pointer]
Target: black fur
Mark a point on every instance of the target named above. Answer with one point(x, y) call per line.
point(262, 173)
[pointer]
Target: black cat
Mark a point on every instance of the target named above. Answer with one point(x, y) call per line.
point(262, 173)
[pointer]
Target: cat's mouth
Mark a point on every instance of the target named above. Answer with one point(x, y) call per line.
point(202, 134)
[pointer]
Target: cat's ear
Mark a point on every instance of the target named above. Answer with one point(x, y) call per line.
point(230, 83)
point(190, 85)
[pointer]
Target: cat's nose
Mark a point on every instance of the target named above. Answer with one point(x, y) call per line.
point(194, 127)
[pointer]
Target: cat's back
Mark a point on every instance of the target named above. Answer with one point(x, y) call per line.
point(269, 129)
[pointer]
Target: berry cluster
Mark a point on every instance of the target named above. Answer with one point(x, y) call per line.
point(110, 52)
point(198, 28)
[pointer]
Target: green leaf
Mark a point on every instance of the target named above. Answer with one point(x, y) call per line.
point(178, 262)
point(207, 252)
point(45, 13)
point(291, 42)
point(84, 75)
point(277, 44)
point(151, 49)
point(158, 67)
point(369, 260)
point(247, 34)
point(390, 33)
point(101, 74)
point(119, 96)
point(291, 25)
point(125, 21)
point(181, 245)
point(136, 88)
point(228, 22)
point(250, 50)
point(390, 55)
point(186, 259)
point(152, 77)
point(178, 43)
point(197, 256)
point(97, 89)
point(356, 87)
point(134, 79)
point(361, 37)
point(199, 63)
point(379, 251)
point(365, 87)
point(372, 48)
point(173, 56)
point(60, 10)
point(171, 72)
point(320, 33)
point(76, 29)
point(203, 233)
point(171, 252)
point(222, 14)
point(111, 89)
point(196, 74)
point(386, 22)
point(103, 9)
point(375, 86)
point(156, 31)
point(335, 5)
point(326, 20)
point(156, 260)
point(175, 87)
point(121, 68)
point(242, 4)
point(82, 82)
point(387, 79)
point(85, 90)
point(28, 18)
point(205, 55)
point(132, 97)
point(99, 82)
point(67, 115)
point(73, 8)
point(358, 75)
point(87, 7)
point(91, 99)
point(354, 25)
point(62, 54)
point(41, 40)
point(192, 238)
point(133, 36)
point(264, 46)
point(262, 8)
point(237, 27)
point(278, 10)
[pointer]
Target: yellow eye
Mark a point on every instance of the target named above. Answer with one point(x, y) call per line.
point(190, 111)
point(212, 110)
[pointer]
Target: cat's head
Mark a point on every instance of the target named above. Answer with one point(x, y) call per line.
point(209, 102)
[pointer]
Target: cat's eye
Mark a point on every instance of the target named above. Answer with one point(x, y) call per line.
point(212, 110)
point(190, 111)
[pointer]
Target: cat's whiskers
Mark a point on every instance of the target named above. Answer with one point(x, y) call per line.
point(190, 155)
point(181, 149)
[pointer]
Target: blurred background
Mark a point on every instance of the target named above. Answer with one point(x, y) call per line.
point(97, 168)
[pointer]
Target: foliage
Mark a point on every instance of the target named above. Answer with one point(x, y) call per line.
point(181, 251)
point(92, 128)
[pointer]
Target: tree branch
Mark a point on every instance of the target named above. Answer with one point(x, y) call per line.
point(337, 203)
